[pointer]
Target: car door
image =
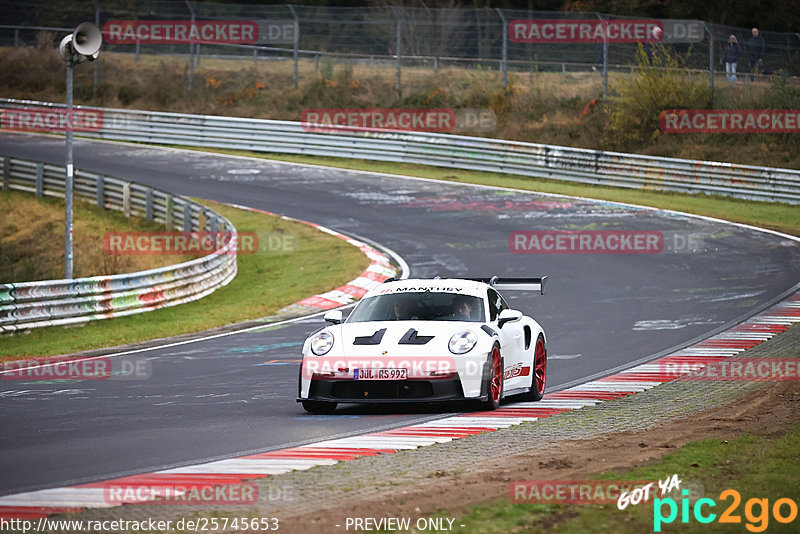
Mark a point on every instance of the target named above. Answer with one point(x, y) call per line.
point(511, 344)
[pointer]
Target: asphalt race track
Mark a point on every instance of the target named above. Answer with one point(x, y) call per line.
point(231, 395)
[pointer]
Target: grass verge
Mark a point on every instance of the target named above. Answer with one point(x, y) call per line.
point(755, 466)
point(266, 282)
point(775, 216)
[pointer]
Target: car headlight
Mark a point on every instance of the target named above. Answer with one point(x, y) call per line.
point(322, 343)
point(462, 342)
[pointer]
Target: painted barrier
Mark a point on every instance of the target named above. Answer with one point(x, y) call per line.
point(596, 167)
point(29, 305)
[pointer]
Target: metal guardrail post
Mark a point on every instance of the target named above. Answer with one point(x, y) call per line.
point(504, 64)
point(39, 179)
point(126, 199)
point(296, 42)
point(169, 212)
point(101, 192)
point(148, 204)
point(6, 172)
point(187, 217)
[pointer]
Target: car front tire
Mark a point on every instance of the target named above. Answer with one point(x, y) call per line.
point(494, 387)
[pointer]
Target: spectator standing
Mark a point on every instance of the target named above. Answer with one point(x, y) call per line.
point(731, 57)
point(756, 48)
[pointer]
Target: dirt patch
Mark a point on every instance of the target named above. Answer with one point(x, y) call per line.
point(768, 412)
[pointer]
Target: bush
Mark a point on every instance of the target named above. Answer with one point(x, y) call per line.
point(634, 112)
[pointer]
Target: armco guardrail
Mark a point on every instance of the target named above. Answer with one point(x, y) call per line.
point(62, 302)
point(445, 150)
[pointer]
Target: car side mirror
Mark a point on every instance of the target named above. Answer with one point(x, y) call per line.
point(508, 316)
point(333, 316)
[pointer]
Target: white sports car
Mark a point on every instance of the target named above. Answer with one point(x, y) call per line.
point(421, 340)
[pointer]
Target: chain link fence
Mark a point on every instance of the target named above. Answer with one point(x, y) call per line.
point(401, 39)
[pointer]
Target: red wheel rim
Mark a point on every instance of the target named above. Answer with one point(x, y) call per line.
point(497, 375)
point(540, 373)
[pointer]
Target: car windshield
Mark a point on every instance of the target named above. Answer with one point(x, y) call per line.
point(419, 306)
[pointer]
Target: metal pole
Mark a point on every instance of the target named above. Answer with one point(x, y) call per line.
point(95, 79)
point(504, 64)
point(605, 56)
point(398, 46)
point(605, 67)
point(68, 258)
point(16, 37)
point(191, 49)
point(296, 41)
point(710, 60)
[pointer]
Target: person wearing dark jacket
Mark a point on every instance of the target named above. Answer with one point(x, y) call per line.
point(755, 48)
point(731, 57)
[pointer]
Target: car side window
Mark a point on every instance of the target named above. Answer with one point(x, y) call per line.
point(496, 304)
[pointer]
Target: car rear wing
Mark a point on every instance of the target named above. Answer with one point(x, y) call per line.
point(514, 284)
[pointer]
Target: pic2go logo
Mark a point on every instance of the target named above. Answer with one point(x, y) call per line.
point(756, 511)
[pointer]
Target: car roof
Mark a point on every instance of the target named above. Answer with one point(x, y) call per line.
point(419, 285)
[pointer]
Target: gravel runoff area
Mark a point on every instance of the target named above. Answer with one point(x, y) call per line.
point(303, 500)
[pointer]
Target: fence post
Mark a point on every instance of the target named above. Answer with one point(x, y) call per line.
point(296, 41)
point(255, 56)
point(39, 179)
point(710, 60)
point(138, 46)
point(191, 49)
point(398, 45)
point(504, 64)
point(16, 38)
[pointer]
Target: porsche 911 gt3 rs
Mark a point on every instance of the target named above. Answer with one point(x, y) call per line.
point(426, 340)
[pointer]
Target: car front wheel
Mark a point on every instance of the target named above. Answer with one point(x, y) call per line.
point(495, 385)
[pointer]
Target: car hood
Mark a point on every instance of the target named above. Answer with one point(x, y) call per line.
point(398, 338)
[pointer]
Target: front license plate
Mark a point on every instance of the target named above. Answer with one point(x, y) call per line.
point(380, 374)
